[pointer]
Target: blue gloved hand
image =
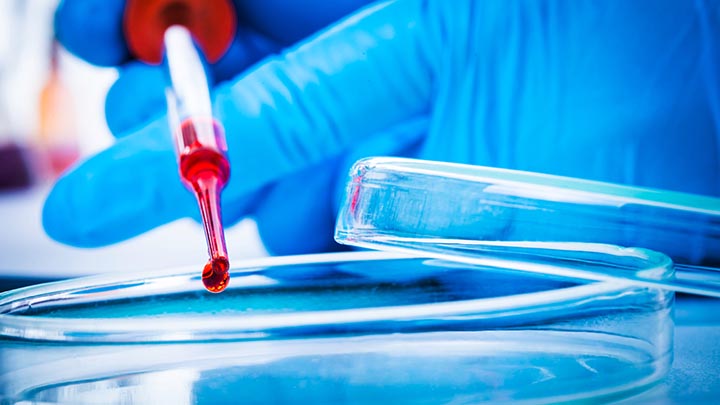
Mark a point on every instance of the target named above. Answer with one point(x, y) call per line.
point(92, 30)
point(625, 92)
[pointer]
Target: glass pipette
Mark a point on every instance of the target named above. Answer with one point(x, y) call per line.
point(200, 145)
point(167, 32)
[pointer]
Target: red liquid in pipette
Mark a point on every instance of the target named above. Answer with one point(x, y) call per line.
point(205, 170)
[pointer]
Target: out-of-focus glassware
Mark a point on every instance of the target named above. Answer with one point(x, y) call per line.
point(38, 135)
point(15, 158)
point(57, 143)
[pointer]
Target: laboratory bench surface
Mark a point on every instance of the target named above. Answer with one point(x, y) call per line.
point(694, 376)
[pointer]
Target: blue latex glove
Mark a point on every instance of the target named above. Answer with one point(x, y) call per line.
point(618, 91)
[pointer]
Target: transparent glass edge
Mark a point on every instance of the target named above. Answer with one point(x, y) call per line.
point(622, 194)
point(221, 328)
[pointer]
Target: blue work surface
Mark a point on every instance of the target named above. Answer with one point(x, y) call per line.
point(694, 377)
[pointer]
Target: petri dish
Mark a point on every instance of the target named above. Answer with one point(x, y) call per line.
point(473, 214)
point(344, 328)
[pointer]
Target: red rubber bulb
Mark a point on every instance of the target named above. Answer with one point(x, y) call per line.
point(211, 22)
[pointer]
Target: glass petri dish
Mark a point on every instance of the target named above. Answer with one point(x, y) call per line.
point(462, 212)
point(349, 328)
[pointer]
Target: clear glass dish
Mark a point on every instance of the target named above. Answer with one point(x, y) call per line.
point(352, 328)
point(462, 212)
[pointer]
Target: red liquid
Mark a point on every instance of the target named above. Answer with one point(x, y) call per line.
point(205, 171)
point(212, 22)
point(215, 275)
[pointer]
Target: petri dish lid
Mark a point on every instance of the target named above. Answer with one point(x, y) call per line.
point(473, 214)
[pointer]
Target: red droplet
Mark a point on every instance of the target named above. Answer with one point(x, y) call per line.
point(215, 274)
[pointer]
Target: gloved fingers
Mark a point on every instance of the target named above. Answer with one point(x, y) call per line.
point(326, 96)
point(247, 48)
point(298, 214)
point(123, 191)
point(92, 30)
point(136, 98)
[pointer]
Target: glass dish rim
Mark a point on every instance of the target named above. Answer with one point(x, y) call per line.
point(610, 193)
point(166, 330)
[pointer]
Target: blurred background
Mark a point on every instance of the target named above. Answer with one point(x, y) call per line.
point(52, 115)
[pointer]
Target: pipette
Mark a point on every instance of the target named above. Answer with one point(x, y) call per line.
point(199, 138)
point(200, 143)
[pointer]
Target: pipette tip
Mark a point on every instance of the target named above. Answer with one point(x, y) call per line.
point(215, 274)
